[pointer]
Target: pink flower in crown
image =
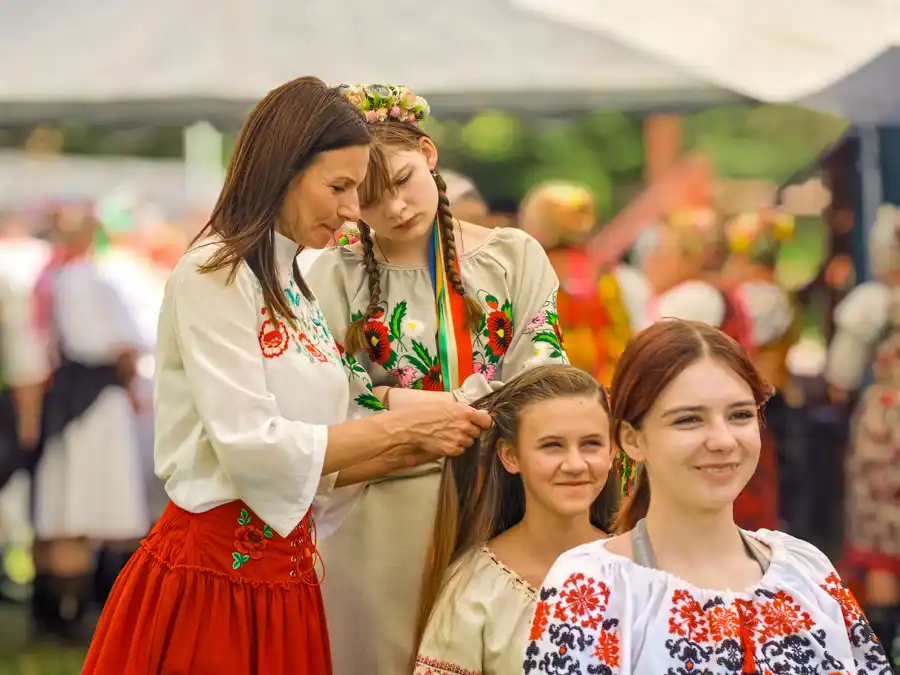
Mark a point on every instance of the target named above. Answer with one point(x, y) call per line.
point(486, 369)
point(371, 116)
point(395, 112)
point(405, 375)
point(537, 322)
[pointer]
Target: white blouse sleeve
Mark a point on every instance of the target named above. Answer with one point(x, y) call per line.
point(577, 626)
point(860, 319)
point(274, 463)
point(692, 301)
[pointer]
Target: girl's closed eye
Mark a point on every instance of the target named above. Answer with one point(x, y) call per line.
point(687, 419)
point(401, 181)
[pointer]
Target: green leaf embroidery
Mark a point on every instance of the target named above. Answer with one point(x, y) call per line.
point(549, 338)
point(355, 316)
point(416, 363)
point(491, 301)
point(244, 519)
point(267, 532)
point(507, 309)
point(391, 361)
point(239, 559)
point(418, 384)
point(397, 316)
point(422, 352)
point(369, 402)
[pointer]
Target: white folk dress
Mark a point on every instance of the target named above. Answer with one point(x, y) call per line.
point(481, 621)
point(377, 560)
point(604, 614)
point(89, 480)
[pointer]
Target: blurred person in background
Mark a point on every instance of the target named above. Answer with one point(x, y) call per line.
point(88, 484)
point(868, 336)
point(466, 201)
point(683, 269)
point(598, 309)
point(754, 241)
point(431, 308)
point(24, 369)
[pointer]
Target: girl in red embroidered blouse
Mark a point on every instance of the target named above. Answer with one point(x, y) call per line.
point(536, 486)
point(683, 589)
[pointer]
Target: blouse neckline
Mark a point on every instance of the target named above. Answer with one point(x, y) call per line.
point(518, 581)
point(465, 255)
point(286, 250)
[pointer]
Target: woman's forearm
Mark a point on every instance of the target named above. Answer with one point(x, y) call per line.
point(364, 471)
point(361, 440)
point(401, 397)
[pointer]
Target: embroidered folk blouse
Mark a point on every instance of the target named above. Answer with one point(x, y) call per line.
point(243, 400)
point(510, 276)
point(480, 623)
point(601, 613)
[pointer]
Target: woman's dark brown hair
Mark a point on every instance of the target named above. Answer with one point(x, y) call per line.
point(649, 364)
point(284, 133)
point(385, 135)
point(479, 499)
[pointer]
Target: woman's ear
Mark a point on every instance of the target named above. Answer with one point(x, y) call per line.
point(429, 149)
point(632, 442)
point(507, 454)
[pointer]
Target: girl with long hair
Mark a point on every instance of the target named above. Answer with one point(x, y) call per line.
point(683, 589)
point(256, 414)
point(430, 308)
point(528, 490)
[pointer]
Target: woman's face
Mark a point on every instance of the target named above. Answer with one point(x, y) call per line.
point(700, 440)
point(408, 214)
point(323, 197)
point(562, 453)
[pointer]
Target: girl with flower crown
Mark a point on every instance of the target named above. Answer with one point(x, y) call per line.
point(540, 483)
point(429, 308)
point(868, 335)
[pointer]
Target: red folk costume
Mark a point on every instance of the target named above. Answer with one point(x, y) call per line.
point(226, 582)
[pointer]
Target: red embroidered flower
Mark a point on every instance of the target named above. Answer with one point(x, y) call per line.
point(499, 332)
point(849, 606)
point(539, 623)
point(582, 601)
point(606, 648)
point(250, 540)
point(311, 348)
point(273, 338)
point(377, 343)
point(433, 380)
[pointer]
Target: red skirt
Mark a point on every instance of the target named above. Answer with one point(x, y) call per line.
point(756, 508)
point(216, 592)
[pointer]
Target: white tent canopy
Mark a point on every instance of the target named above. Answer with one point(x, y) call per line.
point(835, 55)
point(174, 61)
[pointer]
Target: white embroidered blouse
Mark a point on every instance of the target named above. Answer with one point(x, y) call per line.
point(480, 623)
point(602, 613)
point(243, 400)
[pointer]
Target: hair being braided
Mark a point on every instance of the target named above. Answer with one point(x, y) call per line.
point(355, 339)
point(445, 219)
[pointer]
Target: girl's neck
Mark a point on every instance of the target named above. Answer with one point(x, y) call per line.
point(688, 538)
point(413, 252)
point(547, 536)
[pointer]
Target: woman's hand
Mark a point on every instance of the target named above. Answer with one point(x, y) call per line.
point(439, 429)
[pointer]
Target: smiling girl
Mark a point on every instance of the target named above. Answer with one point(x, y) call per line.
point(545, 466)
point(683, 589)
point(430, 308)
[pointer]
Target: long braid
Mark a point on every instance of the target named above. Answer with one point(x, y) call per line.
point(474, 312)
point(355, 340)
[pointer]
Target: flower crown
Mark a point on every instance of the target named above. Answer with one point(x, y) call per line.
point(383, 102)
point(760, 232)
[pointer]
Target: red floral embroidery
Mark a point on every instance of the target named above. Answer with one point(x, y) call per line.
point(781, 617)
point(724, 623)
point(606, 648)
point(273, 338)
point(500, 332)
point(378, 342)
point(433, 380)
point(311, 348)
point(686, 617)
point(582, 601)
point(539, 624)
point(249, 541)
point(428, 666)
point(849, 606)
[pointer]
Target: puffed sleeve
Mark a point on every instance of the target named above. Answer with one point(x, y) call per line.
point(579, 618)
point(691, 301)
point(536, 335)
point(810, 565)
point(860, 318)
point(275, 463)
point(770, 309)
point(23, 350)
